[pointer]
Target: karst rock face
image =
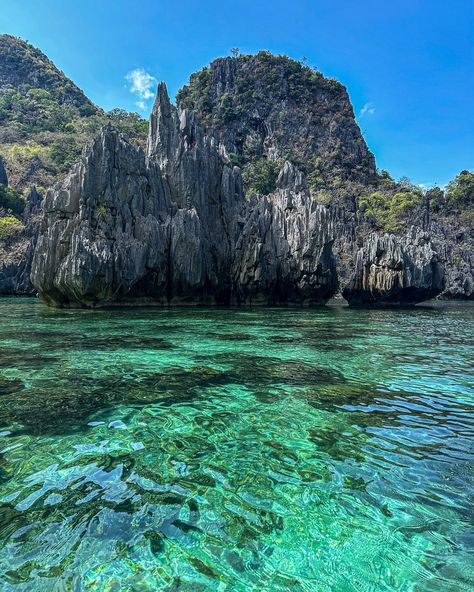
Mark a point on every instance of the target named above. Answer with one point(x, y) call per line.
point(96, 237)
point(267, 106)
point(172, 226)
point(395, 271)
point(284, 248)
point(16, 252)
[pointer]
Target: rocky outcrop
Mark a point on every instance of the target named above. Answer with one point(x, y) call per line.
point(15, 266)
point(172, 226)
point(283, 254)
point(95, 240)
point(202, 192)
point(395, 271)
point(454, 241)
point(16, 253)
point(272, 107)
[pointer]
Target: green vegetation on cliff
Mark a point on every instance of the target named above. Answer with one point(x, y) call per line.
point(460, 191)
point(9, 227)
point(45, 119)
point(261, 78)
point(393, 206)
point(261, 175)
point(11, 201)
point(267, 108)
point(24, 67)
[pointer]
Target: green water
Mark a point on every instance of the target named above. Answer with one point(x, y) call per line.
point(199, 449)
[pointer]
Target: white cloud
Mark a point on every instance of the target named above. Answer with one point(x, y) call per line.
point(367, 109)
point(142, 84)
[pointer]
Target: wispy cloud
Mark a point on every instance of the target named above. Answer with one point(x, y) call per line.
point(367, 109)
point(142, 84)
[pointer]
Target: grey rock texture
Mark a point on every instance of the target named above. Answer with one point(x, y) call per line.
point(454, 241)
point(395, 271)
point(202, 193)
point(16, 253)
point(172, 226)
point(267, 106)
point(284, 249)
point(96, 237)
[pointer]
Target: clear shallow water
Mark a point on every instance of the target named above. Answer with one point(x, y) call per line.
point(301, 450)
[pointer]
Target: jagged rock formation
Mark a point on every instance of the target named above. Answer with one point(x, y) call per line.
point(173, 226)
point(264, 108)
point(16, 253)
point(395, 271)
point(454, 241)
point(92, 242)
point(272, 107)
point(284, 250)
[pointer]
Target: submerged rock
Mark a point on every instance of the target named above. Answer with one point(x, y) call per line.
point(172, 226)
point(395, 271)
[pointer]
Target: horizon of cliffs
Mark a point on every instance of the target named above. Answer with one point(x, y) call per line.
point(256, 188)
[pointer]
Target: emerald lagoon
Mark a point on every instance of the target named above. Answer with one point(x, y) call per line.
point(194, 449)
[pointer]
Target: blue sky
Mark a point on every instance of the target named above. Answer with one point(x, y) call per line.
point(408, 64)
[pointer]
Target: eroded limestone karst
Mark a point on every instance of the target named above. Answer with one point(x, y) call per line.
point(173, 226)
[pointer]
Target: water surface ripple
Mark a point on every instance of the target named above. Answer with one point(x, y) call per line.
point(203, 449)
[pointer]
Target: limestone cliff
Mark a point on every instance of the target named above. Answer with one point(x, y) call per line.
point(173, 226)
point(283, 254)
point(273, 108)
point(225, 204)
point(395, 271)
point(16, 252)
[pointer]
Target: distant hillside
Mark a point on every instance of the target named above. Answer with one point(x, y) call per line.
point(45, 119)
point(23, 67)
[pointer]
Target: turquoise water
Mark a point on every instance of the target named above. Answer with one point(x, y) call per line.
point(200, 449)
